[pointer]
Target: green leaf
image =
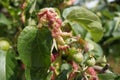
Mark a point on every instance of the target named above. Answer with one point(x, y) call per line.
point(63, 75)
point(4, 20)
point(33, 6)
point(77, 29)
point(114, 50)
point(86, 19)
point(2, 65)
point(7, 65)
point(65, 70)
point(107, 14)
point(49, 76)
point(116, 32)
point(34, 49)
point(97, 51)
point(111, 39)
point(109, 76)
point(109, 28)
point(65, 66)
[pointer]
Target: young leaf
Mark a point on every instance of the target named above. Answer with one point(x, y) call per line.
point(7, 65)
point(34, 49)
point(86, 19)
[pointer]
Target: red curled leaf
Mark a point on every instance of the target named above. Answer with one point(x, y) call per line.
point(75, 68)
point(54, 56)
point(93, 73)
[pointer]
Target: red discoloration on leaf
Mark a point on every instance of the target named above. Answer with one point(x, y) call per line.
point(72, 75)
point(42, 14)
point(93, 73)
point(64, 47)
point(75, 67)
point(54, 57)
point(52, 68)
point(53, 75)
point(51, 16)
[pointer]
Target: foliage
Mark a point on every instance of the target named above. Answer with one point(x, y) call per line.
point(58, 39)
